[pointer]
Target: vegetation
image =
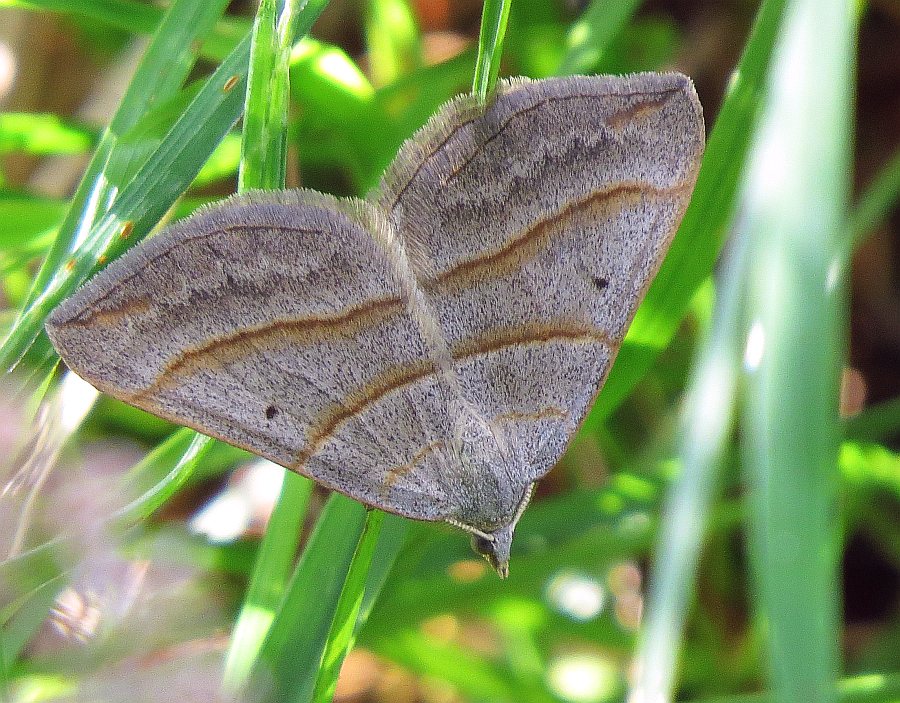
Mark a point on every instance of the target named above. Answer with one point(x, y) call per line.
point(722, 465)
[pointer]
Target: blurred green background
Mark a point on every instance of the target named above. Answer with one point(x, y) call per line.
point(724, 527)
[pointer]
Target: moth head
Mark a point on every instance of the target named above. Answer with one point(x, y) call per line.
point(494, 546)
point(495, 549)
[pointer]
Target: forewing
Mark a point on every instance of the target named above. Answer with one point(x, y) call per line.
point(535, 228)
point(275, 322)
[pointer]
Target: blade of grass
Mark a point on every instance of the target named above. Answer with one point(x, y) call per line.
point(391, 539)
point(343, 628)
point(41, 134)
point(123, 14)
point(29, 583)
point(268, 581)
point(877, 423)
point(704, 434)
point(876, 202)
point(23, 619)
point(796, 197)
point(474, 675)
point(155, 478)
point(591, 34)
point(293, 650)
point(494, 16)
point(264, 145)
point(134, 16)
point(692, 255)
point(184, 463)
point(394, 40)
point(867, 688)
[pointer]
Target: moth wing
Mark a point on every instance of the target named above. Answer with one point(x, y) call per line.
point(535, 227)
point(274, 322)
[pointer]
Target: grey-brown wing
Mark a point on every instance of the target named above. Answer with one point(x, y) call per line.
point(275, 322)
point(535, 228)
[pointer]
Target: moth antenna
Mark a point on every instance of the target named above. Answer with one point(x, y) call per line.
point(526, 499)
point(468, 528)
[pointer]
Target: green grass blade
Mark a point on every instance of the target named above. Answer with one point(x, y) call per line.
point(797, 191)
point(472, 674)
point(156, 478)
point(136, 16)
point(867, 688)
point(877, 423)
point(264, 146)
point(268, 581)
point(20, 625)
point(293, 650)
point(704, 437)
point(592, 33)
point(391, 539)
point(394, 40)
point(29, 583)
point(490, 47)
point(692, 255)
point(183, 451)
point(42, 134)
point(123, 14)
point(876, 202)
point(343, 627)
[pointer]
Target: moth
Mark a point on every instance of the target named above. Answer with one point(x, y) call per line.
point(429, 350)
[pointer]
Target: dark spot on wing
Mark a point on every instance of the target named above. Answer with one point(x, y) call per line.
point(271, 412)
point(599, 282)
